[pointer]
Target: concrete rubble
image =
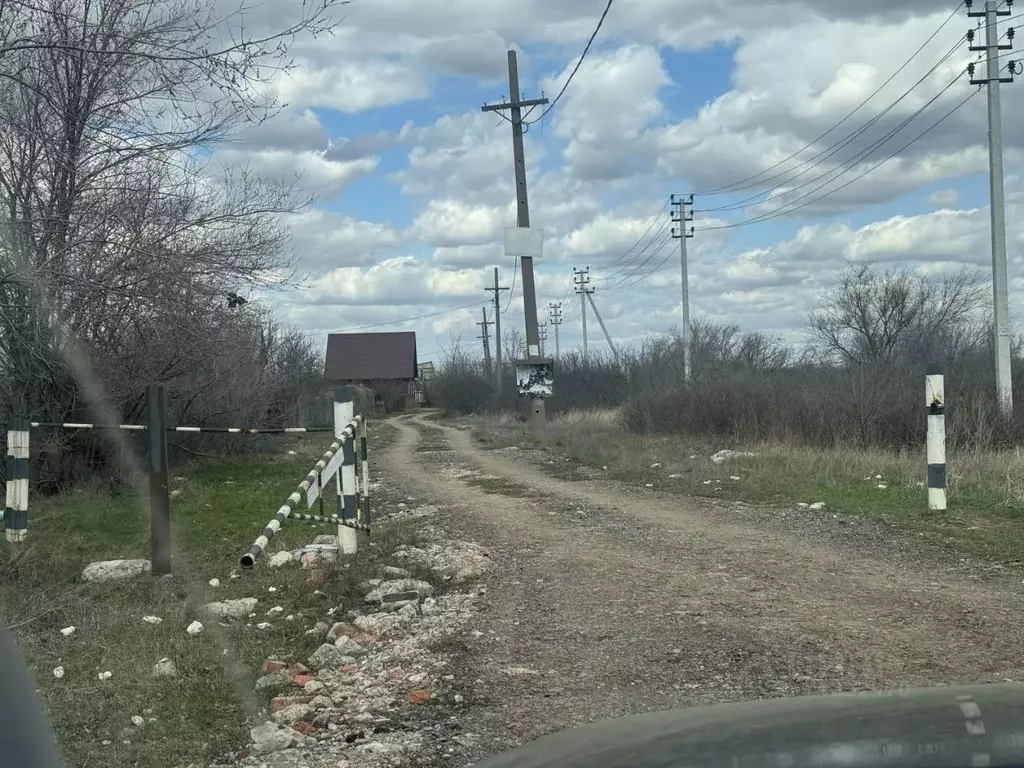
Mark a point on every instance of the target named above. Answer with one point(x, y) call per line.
point(353, 703)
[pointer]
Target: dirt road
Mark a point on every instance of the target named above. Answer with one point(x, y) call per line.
point(608, 601)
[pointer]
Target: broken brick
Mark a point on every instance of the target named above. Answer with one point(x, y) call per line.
point(421, 696)
point(272, 665)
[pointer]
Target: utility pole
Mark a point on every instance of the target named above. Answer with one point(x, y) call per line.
point(608, 337)
point(543, 333)
point(497, 289)
point(581, 279)
point(515, 106)
point(556, 320)
point(682, 217)
point(486, 337)
point(997, 203)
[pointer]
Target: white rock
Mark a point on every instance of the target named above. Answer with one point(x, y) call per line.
point(293, 713)
point(264, 625)
point(165, 668)
point(105, 675)
point(214, 582)
point(817, 505)
point(194, 628)
point(231, 609)
point(396, 586)
point(58, 672)
point(110, 570)
point(280, 559)
point(175, 493)
point(657, 465)
point(68, 631)
point(152, 619)
point(883, 486)
point(271, 737)
point(293, 453)
point(349, 647)
point(327, 655)
point(734, 478)
point(277, 609)
point(721, 456)
point(138, 721)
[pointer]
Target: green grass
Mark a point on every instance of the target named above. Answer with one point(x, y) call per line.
point(985, 517)
point(201, 714)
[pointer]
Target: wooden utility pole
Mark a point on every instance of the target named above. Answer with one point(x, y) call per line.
point(485, 336)
point(497, 289)
point(515, 107)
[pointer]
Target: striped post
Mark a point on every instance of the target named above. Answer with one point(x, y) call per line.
point(304, 518)
point(16, 507)
point(935, 401)
point(365, 472)
point(159, 485)
point(344, 412)
point(249, 558)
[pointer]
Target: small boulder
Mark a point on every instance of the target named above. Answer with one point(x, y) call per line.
point(111, 570)
point(325, 656)
point(165, 668)
point(231, 609)
point(293, 713)
point(280, 559)
point(395, 586)
point(348, 647)
point(271, 737)
point(275, 681)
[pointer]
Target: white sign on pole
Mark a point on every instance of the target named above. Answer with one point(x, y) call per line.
point(524, 242)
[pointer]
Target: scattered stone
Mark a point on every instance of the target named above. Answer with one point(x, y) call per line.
point(165, 668)
point(105, 675)
point(194, 628)
point(298, 668)
point(675, 476)
point(272, 665)
point(293, 453)
point(111, 570)
point(817, 505)
point(396, 586)
point(326, 540)
point(275, 681)
point(391, 572)
point(280, 702)
point(401, 597)
point(368, 586)
point(293, 713)
point(271, 737)
point(214, 582)
point(281, 559)
point(734, 478)
point(231, 609)
point(275, 611)
point(58, 672)
point(657, 465)
point(138, 721)
point(519, 671)
point(310, 560)
point(68, 631)
point(152, 619)
point(421, 696)
point(882, 486)
point(313, 686)
point(721, 456)
point(264, 625)
point(348, 647)
point(326, 655)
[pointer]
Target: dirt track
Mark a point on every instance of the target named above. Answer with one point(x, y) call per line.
point(607, 601)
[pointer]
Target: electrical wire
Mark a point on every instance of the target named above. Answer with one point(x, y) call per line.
point(625, 277)
point(405, 319)
point(828, 152)
point(743, 184)
point(576, 69)
point(512, 290)
point(658, 237)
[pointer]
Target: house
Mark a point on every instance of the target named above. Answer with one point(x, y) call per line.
point(426, 375)
point(383, 362)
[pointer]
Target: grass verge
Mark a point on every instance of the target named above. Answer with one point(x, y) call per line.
point(985, 517)
point(201, 714)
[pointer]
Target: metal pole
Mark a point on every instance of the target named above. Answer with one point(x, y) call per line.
point(935, 402)
point(159, 495)
point(600, 322)
point(538, 418)
point(997, 212)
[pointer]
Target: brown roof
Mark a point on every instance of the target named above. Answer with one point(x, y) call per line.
point(370, 356)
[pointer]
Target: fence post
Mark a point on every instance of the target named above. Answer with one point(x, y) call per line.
point(935, 401)
point(365, 471)
point(159, 495)
point(16, 512)
point(344, 412)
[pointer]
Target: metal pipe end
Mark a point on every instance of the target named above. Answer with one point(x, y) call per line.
point(247, 561)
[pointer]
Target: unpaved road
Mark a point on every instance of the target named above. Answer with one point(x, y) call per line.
point(606, 602)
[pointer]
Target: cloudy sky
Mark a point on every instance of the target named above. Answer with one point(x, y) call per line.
point(737, 101)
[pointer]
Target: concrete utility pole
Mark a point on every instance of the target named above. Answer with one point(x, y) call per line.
point(543, 333)
point(497, 289)
point(556, 320)
point(608, 337)
point(997, 202)
point(515, 106)
point(682, 217)
point(581, 279)
point(486, 337)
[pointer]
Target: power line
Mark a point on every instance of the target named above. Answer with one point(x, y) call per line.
point(578, 63)
point(828, 152)
point(738, 185)
point(404, 319)
point(624, 277)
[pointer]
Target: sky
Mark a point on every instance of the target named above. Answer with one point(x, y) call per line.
point(812, 133)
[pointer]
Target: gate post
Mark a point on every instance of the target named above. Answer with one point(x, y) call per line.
point(344, 411)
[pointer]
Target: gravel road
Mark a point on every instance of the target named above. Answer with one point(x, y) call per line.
point(609, 600)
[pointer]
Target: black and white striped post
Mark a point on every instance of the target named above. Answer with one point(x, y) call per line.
point(16, 504)
point(364, 471)
point(344, 412)
point(935, 401)
point(286, 509)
